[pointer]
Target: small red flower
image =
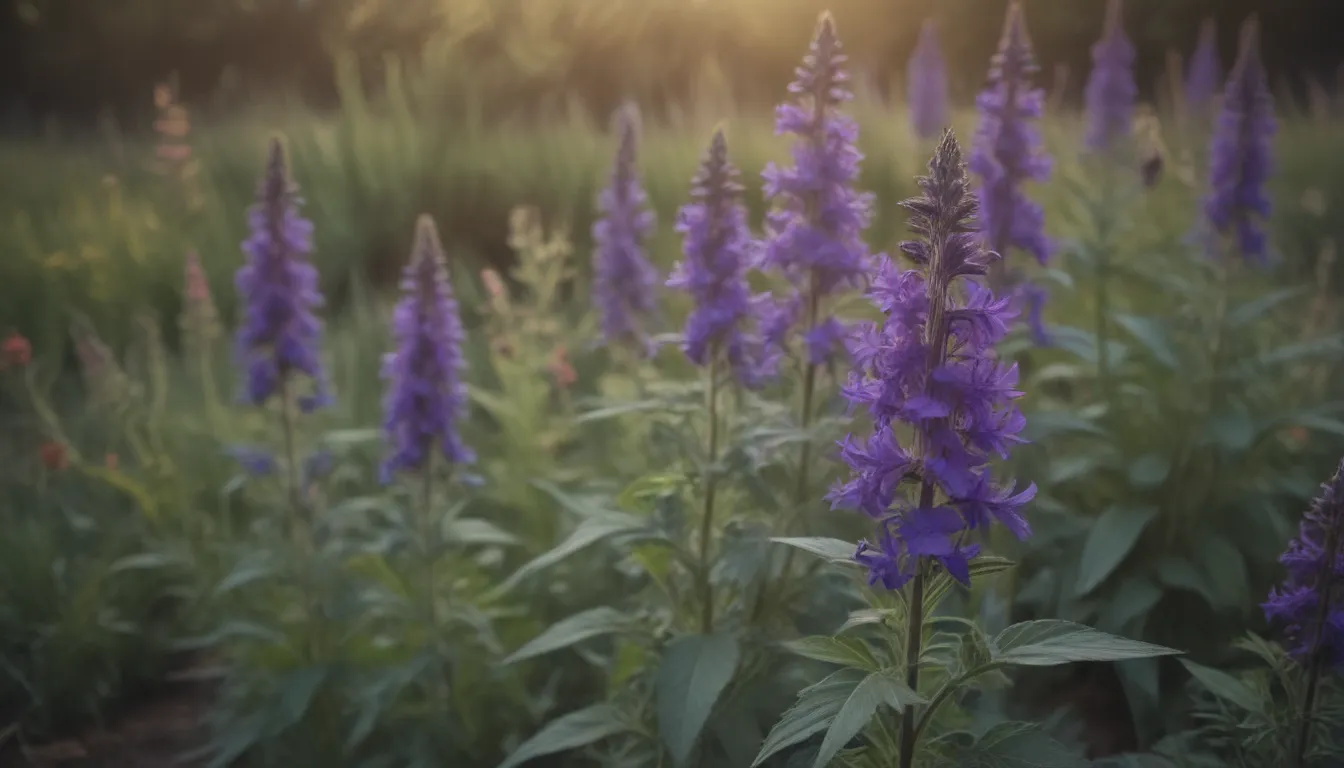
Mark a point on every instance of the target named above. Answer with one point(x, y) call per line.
point(15, 351)
point(54, 456)
point(559, 367)
point(111, 461)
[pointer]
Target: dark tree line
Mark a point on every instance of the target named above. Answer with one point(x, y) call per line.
point(75, 58)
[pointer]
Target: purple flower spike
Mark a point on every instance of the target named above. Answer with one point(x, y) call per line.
point(926, 84)
point(1008, 151)
point(814, 231)
point(1241, 160)
point(624, 280)
point(280, 334)
point(931, 367)
point(426, 396)
point(1204, 77)
point(1315, 564)
point(1111, 90)
point(717, 249)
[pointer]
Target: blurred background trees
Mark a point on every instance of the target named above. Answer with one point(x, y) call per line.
point(77, 58)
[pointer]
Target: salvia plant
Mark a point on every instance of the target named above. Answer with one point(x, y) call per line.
point(941, 404)
point(926, 84)
point(1007, 155)
point(1240, 161)
point(1204, 73)
point(1111, 90)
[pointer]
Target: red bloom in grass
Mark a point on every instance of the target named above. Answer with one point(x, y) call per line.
point(16, 351)
point(54, 456)
point(560, 368)
point(111, 461)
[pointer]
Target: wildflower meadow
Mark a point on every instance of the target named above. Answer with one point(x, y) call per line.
point(883, 430)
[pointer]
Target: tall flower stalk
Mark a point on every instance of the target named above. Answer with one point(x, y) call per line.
point(279, 340)
point(1008, 154)
point(624, 280)
point(719, 335)
point(1111, 90)
point(814, 233)
point(1310, 604)
point(426, 396)
point(1204, 74)
point(931, 367)
point(1241, 154)
point(926, 84)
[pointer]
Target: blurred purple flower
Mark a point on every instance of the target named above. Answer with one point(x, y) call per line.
point(624, 280)
point(1204, 75)
point(814, 232)
point(1315, 564)
point(280, 334)
point(1111, 90)
point(1241, 153)
point(926, 84)
point(1008, 151)
point(931, 366)
point(426, 396)
point(717, 248)
point(254, 461)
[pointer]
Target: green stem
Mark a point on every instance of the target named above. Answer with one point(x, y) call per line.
point(1102, 301)
point(298, 528)
point(944, 694)
point(1315, 658)
point(426, 528)
point(707, 514)
point(914, 639)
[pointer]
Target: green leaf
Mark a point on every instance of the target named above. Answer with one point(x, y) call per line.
point(145, 561)
point(297, 691)
point(603, 620)
point(1252, 310)
point(1233, 431)
point(1045, 424)
point(1226, 568)
point(835, 550)
point(471, 530)
point(250, 569)
point(1015, 745)
point(1050, 642)
point(845, 651)
point(1066, 468)
point(985, 565)
point(589, 532)
point(620, 409)
point(1109, 542)
point(865, 616)
point(1134, 597)
point(1226, 687)
point(1180, 573)
point(576, 729)
point(877, 689)
point(815, 710)
point(1150, 333)
point(694, 671)
point(1149, 470)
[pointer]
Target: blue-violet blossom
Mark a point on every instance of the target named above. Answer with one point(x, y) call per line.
point(1007, 152)
point(1204, 75)
point(926, 84)
point(1111, 91)
point(426, 395)
point(624, 280)
point(1315, 564)
point(814, 231)
point(1240, 153)
point(931, 366)
point(280, 334)
point(717, 248)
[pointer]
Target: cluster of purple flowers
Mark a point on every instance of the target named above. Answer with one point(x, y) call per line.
point(1204, 75)
point(1315, 564)
point(717, 250)
point(623, 279)
point(930, 366)
point(1241, 158)
point(426, 396)
point(814, 233)
point(280, 335)
point(1007, 151)
point(1111, 90)
point(926, 84)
